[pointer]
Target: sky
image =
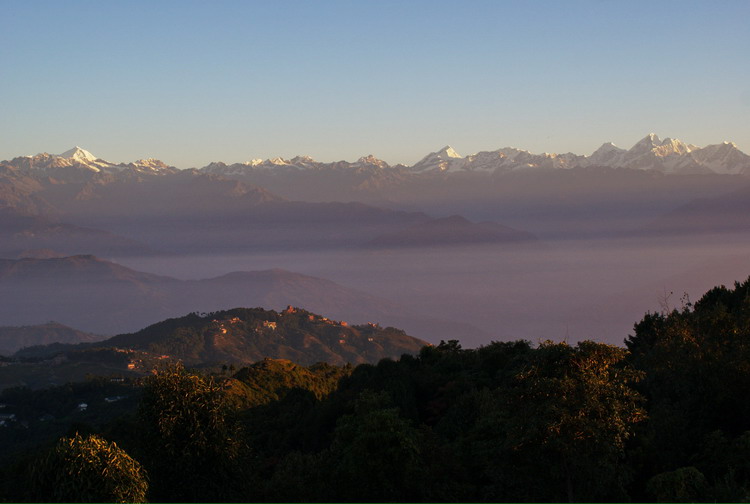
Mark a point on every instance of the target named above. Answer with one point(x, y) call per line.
point(190, 82)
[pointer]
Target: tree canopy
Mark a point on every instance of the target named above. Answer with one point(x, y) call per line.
point(667, 418)
point(88, 469)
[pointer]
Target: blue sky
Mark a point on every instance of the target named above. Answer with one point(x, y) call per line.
point(191, 82)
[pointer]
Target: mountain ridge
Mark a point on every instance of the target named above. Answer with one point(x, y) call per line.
point(14, 338)
point(453, 230)
point(102, 297)
point(79, 159)
point(651, 152)
point(252, 334)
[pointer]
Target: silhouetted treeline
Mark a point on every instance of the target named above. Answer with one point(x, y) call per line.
point(666, 419)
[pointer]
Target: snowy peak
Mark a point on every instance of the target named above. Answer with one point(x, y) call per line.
point(607, 148)
point(667, 156)
point(646, 144)
point(606, 155)
point(302, 160)
point(672, 146)
point(448, 152)
point(652, 143)
point(78, 154)
point(372, 161)
point(368, 159)
point(150, 165)
point(82, 157)
point(445, 154)
point(445, 159)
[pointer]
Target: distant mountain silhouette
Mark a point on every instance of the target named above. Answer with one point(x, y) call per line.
point(728, 212)
point(183, 211)
point(454, 230)
point(106, 298)
point(21, 233)
point(13, 339)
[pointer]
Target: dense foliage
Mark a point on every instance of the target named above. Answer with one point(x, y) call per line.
point(697, 365)
point(191, 444)
point(667, 419)
point(87, 469)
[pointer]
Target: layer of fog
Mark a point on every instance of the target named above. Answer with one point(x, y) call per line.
point(562, 290)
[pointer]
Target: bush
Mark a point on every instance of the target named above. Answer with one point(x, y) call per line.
point(88, 469)
point(686, 484)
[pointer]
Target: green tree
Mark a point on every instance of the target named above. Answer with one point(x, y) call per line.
point(686, 484)
point(697, 376)
point(574, 408)
point(726, 466)
point(88, 469)
point(376, 453)
point(301, 477)
point(194, 445)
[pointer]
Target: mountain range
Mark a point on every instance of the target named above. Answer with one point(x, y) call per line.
point(613, 191)
point(99, 296)
point(80, 204)
point(666, 155)
point(78, 159)
point(302, 203)
point(669, 155)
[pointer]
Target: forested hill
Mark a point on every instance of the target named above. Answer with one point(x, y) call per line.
point(244, 335)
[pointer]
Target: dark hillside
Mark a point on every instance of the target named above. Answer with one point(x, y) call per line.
point(252, 334)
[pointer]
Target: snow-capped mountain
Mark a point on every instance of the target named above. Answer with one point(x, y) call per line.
point(650, 153)
point(446, 159)
point(149, 165)
point(80, 160)
point(674, 156)
point(505, 159)
point(606, 155)
point(722, 158)
point(669, 156)
point(79, 155)
point(296, 164)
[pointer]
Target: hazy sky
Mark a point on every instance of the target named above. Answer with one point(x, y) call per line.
point(192, 82)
